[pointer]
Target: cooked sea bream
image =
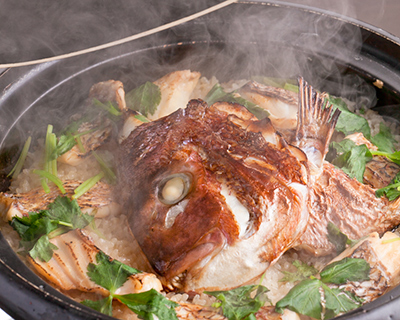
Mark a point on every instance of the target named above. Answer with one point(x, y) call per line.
point(247, 194)
point(214, 196)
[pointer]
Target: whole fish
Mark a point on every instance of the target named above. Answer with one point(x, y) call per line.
point(215, 196)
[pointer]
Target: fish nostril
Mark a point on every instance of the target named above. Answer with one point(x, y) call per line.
point(174, 188)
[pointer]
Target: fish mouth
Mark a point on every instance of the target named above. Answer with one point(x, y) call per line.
point(194, 260)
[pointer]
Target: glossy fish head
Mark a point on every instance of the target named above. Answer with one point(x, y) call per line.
point(198, 185)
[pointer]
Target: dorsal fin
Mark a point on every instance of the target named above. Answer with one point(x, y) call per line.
point(316, 122)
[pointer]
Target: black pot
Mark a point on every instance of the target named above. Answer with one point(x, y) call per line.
point(334, 53)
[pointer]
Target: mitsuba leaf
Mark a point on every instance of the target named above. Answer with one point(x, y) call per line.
point(347, 269)
point(103, 305)
point(149, 304)
point(303, 272)
point(217, 93)
point(43, 249)
point(238, 303)
point(144, 99)
point(61, 214)
point(340, 301)
point(352, 158)
point(392, 190)
point(304, 298)
point(384, 140)
point(348, 121)
point(108, 273)
point(68, 211)
point(339, 239)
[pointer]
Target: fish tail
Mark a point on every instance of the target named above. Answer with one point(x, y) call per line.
point(316, 121)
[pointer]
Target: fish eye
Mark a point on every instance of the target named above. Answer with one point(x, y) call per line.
point(174, 188)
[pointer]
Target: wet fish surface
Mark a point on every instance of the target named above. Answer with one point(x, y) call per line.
point(215, 196)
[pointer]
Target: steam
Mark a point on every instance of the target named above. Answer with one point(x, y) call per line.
point(237, 42)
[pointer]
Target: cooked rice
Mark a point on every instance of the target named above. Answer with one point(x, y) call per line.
point(113, 235)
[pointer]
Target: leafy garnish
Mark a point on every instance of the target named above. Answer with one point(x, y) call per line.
point(107, 170)
point(392, 191)
point(347, 269)
point(338, 238)
point(305, 297)
point(394, 157)
point(352, 158)
point(52, 178)
point(103, 305)
point(144, 99)
point(304, 271)
point(239, 303)
point(87, 185)
point(217, 93)
point(50, 164)
point(21, 160)
point(348, 121)
point(149, 304)
point(108, 106)
point(111, 275)
point(384, 140)
point(36, 228)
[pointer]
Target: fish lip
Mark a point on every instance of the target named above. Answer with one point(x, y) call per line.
point(194, 260)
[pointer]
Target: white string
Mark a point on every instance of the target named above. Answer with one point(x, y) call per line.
point(124, 40)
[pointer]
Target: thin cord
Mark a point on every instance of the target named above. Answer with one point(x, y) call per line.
point(124, 40)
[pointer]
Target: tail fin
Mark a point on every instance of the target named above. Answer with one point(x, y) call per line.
point(316, 122)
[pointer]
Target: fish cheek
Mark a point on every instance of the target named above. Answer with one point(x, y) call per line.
point(171, 250)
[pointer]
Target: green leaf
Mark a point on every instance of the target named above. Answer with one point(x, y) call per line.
point(384, 140)
point(304, 298)
point(347, 269)
point(217, 93)
point(103, 305)
point(239, 303)
point(65, 143)
point(392, 190)
point(149, 304)
point(352, 159)
point(108, 273)
point(144, 99)
point(62, 215)
point(394, 157)
point(338, 238)
point(348, 121)
point(68, 212)
point(43, 249)
point(303, 272)
point(340, 301)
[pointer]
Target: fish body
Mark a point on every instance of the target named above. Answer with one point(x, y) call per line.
point(215, 196)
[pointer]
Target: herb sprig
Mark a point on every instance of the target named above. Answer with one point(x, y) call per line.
point(38, 228)
point(144, 99)
point(111, 275)
point(217, 93)
point(239, 303)
point(305, 298)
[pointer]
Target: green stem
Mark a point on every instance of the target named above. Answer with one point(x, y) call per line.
point(52, 178)
point(21, 160)
point(86, 185)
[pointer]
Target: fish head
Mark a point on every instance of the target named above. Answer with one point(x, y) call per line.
point(196, 183)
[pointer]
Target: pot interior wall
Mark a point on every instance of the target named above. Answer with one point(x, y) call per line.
point(51, 93)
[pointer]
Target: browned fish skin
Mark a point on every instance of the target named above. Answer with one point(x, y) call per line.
point(286, 199)
point(382, 255)
point(204, 142)
point(67, 269)
point(98, 198)
point(350, 205)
